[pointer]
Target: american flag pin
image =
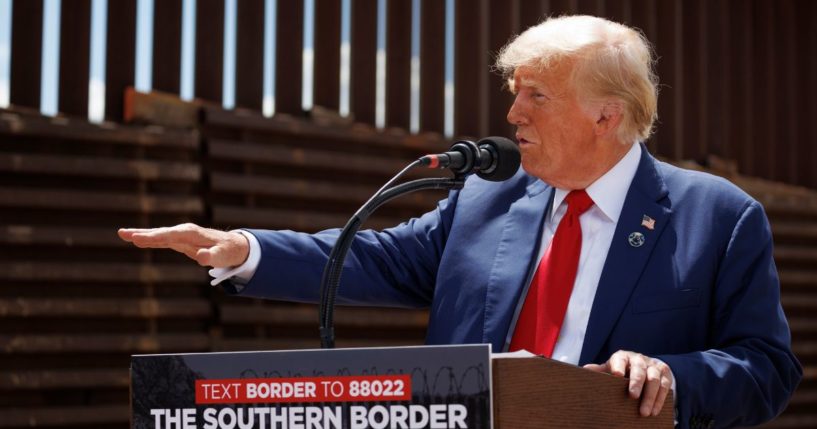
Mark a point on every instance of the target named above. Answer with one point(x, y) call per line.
point(648, 222)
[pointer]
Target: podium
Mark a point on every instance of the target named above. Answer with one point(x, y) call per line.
point(571, 397)
point(432, 387)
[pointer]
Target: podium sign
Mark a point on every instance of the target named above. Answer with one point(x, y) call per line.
point(397, 387)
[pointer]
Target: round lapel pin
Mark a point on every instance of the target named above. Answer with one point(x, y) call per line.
point(636, 239)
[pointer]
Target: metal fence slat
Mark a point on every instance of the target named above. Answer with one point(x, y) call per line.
point(364, 63)
point(249, 70)
point(209, 49)
point(26, 45)
point(120, 60)
point(167, 45)
point(327, 54)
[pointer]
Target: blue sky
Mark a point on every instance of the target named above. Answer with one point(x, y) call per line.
point(5, 50)
point(144, 42)
point(49, 79)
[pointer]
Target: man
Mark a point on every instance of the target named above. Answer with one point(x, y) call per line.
point(594, 253)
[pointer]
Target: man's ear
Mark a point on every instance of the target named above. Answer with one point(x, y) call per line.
point(609, 117)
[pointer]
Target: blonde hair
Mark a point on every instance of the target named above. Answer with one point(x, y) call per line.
point(610, 60)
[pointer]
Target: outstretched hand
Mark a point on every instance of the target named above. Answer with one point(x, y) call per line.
point(208, 247)
point(650, 379)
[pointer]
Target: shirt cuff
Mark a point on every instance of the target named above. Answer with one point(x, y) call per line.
point(243, 273)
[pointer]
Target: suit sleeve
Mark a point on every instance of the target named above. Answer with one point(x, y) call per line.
point(751, 362)
point(396, 267)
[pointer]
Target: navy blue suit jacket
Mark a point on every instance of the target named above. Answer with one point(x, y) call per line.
point(702, 292)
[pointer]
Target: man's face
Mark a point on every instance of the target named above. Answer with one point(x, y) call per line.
point(556, 134)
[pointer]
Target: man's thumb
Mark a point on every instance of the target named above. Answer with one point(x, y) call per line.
point(596, 367)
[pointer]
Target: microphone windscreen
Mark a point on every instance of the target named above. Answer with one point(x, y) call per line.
point(507, 155)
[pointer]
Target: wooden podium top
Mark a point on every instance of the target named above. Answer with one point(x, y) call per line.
point(542, 393)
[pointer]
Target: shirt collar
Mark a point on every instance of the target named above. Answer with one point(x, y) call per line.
point(608, 191)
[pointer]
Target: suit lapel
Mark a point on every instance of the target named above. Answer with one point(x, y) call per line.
point(625, 262)
point(517, 247)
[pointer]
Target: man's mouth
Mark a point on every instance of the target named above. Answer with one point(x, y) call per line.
point(521, 140)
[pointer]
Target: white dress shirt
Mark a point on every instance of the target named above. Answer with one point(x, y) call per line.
point(598, 226)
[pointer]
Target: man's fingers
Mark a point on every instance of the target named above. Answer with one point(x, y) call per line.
point(170, 237)
point(222, 255)
point(211, 256)
point(187, 238)
point(651, 388)
point(203, 257)
point(187, 250)
point(649, 379)
point(152, 238)
point(208, 247)
point(665, 387)
point(638, 375)
point(158, 238)
point(618, 363)
point(127, 233)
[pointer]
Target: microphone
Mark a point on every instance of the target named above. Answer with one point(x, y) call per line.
point(492, 158)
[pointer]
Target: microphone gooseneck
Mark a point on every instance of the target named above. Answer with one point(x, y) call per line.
point(492, 158)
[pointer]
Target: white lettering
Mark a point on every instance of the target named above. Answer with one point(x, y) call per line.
point(313, 418)
point(218, 391)
point(157, 422)
point(398, 416)
point(357, 417)
point(331, 418)
point(378, 417)
point(418, 416)
point(210, 419)
point(438, 417)
point(457, 413)
point(189, 418)
point(252, 390)
point(301, 389)
point(263, 414)
point(223, 416)
point(172, 419)
point(184, 418)
point(249, 423)
point(337, 389)
point(296, 418)
point(278, 416)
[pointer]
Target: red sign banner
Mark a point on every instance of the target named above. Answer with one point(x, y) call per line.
point(355, 388)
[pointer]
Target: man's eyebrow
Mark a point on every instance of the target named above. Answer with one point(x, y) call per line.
point(532, 83)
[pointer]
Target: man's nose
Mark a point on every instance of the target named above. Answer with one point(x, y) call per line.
point(515, 113)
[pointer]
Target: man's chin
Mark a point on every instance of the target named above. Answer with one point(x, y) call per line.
point(530, 166)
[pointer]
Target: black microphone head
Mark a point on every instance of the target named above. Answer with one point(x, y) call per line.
point(506, 158)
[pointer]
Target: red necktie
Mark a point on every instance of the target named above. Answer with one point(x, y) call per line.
point(545, 306)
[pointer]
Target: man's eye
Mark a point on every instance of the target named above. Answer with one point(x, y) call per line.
point(539, 96)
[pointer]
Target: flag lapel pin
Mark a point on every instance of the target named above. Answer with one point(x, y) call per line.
point(648, 222)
